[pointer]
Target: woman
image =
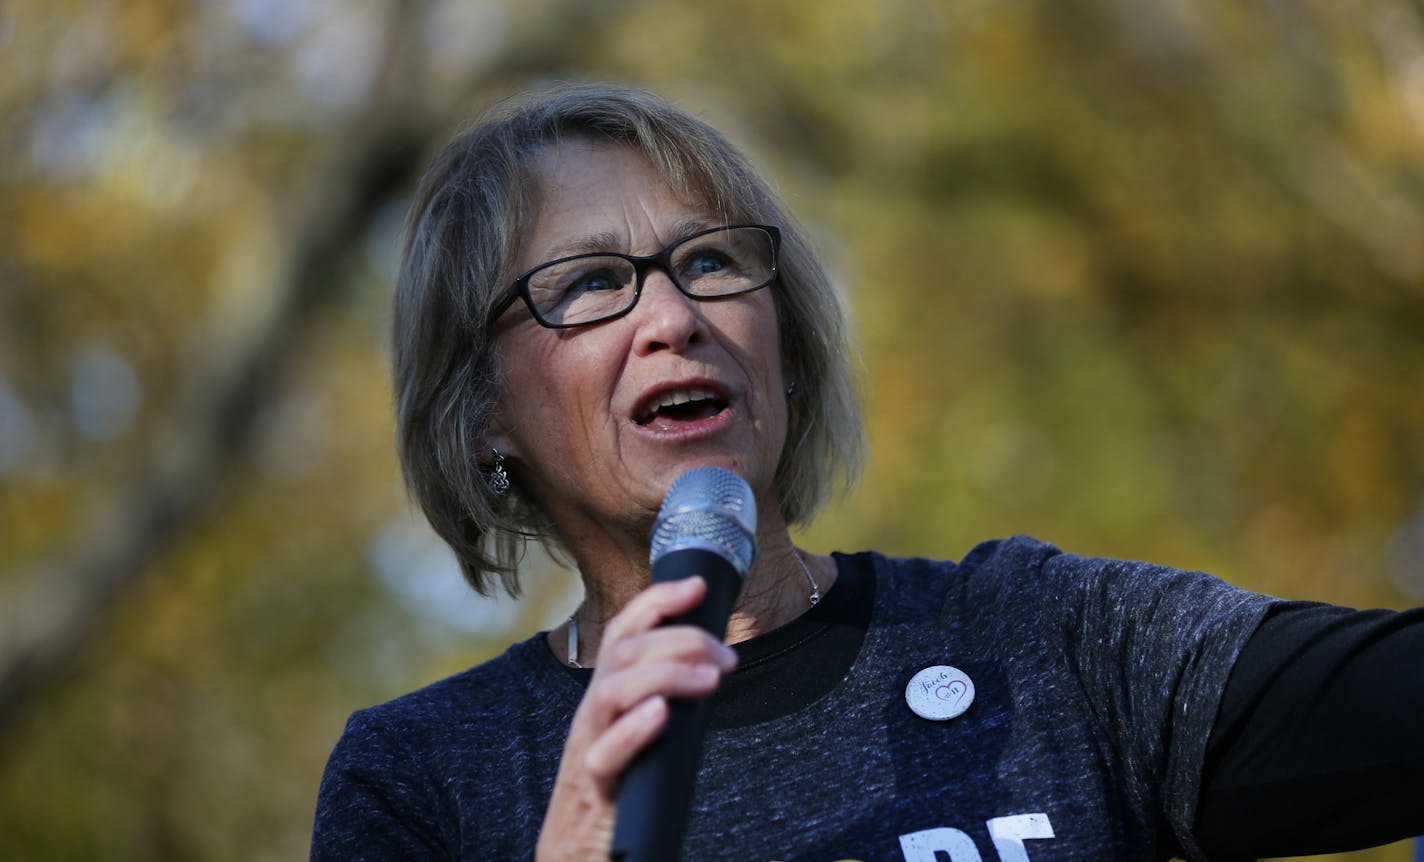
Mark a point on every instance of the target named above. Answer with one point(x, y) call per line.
point(598, 294)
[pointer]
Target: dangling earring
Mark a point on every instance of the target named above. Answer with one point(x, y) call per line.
point(791, 389)
point(498, 477)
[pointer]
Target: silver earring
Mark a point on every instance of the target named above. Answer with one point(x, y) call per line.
point(498, 477)
point(791, 389)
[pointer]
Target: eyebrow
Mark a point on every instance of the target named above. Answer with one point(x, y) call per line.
point(605, 241)
point(689, 226)
point(586, 244)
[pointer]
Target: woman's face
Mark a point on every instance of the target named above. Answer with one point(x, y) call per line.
point(588, 415)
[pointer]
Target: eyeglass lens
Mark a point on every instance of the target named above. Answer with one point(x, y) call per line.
point(592, 287)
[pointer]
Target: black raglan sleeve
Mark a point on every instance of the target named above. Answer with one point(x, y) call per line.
point(1318, 745)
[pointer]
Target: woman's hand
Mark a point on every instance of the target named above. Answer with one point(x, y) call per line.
point(639, 666)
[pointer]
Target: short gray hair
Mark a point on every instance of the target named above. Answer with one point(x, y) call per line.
point(461, 246)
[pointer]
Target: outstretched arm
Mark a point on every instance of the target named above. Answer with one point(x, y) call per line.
point(1319, 743)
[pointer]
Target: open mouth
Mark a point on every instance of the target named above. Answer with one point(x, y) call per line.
point(677, 407)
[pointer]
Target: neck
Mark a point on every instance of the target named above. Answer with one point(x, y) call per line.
point(777, 591)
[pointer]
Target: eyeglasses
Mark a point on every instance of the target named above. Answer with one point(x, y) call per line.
point(591, 288)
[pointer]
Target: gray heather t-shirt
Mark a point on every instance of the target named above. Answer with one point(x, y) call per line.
point(1096, 684)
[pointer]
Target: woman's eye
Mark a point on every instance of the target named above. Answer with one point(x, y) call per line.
point(594, 281)
point(704, 263)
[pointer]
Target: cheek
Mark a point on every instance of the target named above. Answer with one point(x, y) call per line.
point(561, 392)
point(765, 367)
point(526, 392)
point(767, 334)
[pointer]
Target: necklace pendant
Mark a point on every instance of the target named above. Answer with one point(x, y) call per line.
point(573, 642)
point(815, 587)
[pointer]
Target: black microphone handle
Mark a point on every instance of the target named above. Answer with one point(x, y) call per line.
point(656, 792)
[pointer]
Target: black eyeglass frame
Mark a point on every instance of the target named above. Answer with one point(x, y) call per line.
point(641, 264)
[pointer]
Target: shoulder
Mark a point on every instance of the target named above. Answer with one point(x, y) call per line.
point(454, 694)
point(1023, 580)
point(1021, 561)
point(997, 567)
point(1012, 557)
point(397, 776)
point(466, 712)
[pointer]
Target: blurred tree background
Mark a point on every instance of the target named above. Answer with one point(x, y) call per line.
point(1143, 279)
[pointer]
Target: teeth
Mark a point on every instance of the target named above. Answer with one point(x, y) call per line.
point(679, 396)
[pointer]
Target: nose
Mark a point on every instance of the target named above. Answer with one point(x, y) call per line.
point(666, 319)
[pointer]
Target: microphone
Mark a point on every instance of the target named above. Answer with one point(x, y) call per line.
point(707, 527)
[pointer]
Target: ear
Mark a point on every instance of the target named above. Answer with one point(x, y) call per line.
point(498, 437)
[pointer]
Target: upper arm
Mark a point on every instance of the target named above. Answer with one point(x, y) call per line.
point(1319, 742)
point(1152, 648)
point(374, 802)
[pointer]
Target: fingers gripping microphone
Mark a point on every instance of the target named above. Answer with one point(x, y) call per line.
point(707, 527)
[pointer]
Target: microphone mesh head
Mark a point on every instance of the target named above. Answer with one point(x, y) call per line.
point(711, 509)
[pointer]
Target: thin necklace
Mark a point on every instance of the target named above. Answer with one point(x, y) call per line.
point(573, 641)
point(815, 590)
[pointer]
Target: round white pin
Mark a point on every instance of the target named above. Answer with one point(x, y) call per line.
point(940, 693)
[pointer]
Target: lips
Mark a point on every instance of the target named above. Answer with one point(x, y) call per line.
point(675, 407)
